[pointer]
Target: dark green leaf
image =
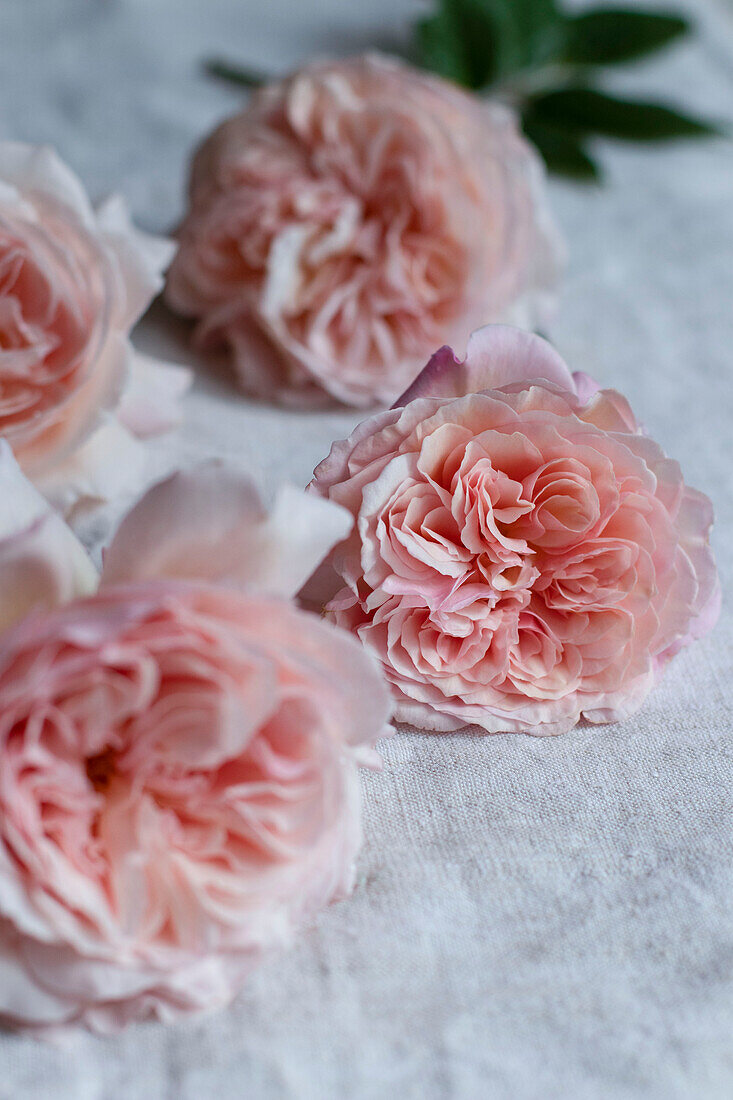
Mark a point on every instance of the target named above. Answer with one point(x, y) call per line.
point(585, 110)
point(459, 43)
point(440, 48)
point(224, 70)
point(562, 152)
point(476, 42)
point(606, 35)
point(529, 33)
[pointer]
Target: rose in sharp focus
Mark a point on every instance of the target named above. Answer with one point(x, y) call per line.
point(353, 217)
point(178, 761)
point(522, 555)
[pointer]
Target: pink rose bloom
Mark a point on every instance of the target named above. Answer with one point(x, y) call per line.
point(179, 755)
point(73, 281)
point(522, 556)
point(353, 217)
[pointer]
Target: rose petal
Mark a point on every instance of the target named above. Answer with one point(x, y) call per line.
point(209, 524)
point(585, 386)
point(22, 1000)
point(113, 463)
point(151, 402)
point(42, 563)
point(496, 356)
point(142, 259)
point(37, 168)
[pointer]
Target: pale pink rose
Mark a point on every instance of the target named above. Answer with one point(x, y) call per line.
point(73, 281)
point(353, 217)
point(521, 556)
point(179, 762)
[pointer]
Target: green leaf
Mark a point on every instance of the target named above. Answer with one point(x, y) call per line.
point(585, 110)
point(563, 153)
point(530, 33)
point(607, 35)
point(459, 43)
point(477, 42)
point(440, 49)
point(234, 74)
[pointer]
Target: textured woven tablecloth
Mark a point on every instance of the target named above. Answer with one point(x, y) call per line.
point(535, 918)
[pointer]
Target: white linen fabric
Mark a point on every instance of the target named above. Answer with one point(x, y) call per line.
point(535, 918)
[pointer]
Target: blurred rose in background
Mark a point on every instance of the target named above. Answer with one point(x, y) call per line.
point(353, 217)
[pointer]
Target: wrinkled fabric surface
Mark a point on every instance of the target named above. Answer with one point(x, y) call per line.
point(535, 918)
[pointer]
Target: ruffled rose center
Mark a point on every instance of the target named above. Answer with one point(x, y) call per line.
point(100, 769)
point(530, 562)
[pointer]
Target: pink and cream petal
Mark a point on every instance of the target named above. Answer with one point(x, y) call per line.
point(111, 464)
point(42, 564)
point(38, 169)
point(209, 524)
point(152, 400)
point(142, 259)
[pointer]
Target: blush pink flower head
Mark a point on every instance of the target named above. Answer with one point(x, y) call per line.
point(353, 217)
point(521, 555)
point(73, 280)
point(178, 755)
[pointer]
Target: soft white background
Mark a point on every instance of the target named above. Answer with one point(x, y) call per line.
point(535, 918)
